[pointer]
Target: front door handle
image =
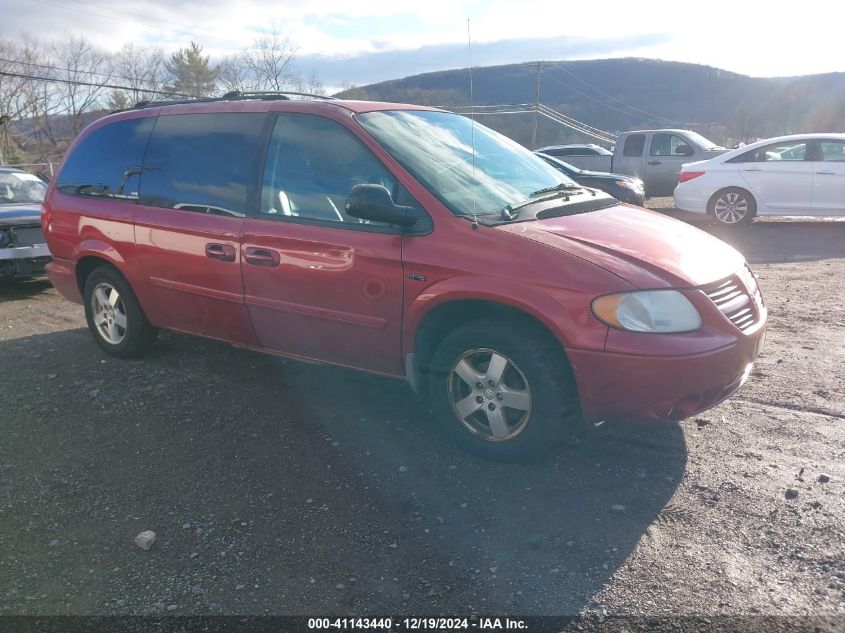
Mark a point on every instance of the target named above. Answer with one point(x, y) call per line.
point(220, 252)
point(825, 173)
point(752, 169)
point(654, 162)
point(262, 257)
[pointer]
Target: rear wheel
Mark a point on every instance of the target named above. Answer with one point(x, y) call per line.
point(502, 392)
point(114, 315)
point(733, 206)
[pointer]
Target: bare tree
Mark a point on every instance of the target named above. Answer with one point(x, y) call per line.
point(142, 69)
point(235, 75)
point(79, 64)
point(270, 62)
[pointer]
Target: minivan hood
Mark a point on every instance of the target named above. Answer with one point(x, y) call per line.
point(630, 241)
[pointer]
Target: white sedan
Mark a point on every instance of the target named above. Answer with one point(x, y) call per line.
point(802, 174)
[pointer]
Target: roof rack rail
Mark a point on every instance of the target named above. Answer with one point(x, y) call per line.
point(273, 95)
point(153, 104)
point(235, 95)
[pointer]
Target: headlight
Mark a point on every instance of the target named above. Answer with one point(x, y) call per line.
point(635, 185)
point(657, 311)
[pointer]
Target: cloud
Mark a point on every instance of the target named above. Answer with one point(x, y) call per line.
point(379, 66)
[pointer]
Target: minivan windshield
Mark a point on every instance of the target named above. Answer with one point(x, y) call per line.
point(470, 168)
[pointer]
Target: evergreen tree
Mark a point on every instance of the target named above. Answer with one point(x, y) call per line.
point(191, 72)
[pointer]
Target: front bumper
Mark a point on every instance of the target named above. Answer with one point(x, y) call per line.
point(25, 252)
point(24, 261)
point(629, 387)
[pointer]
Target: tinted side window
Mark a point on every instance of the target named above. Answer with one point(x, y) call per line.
point(108, 161)
point(634, 145)
point(833, 151)
point(311, 166)
point(204, 163)
point(746, 157)
point(783, 151)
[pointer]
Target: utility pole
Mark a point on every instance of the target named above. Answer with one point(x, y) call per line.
point(536, 107)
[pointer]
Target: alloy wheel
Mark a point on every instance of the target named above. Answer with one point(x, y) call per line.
point(109, 313)
point(489, 394)
point(731, 208)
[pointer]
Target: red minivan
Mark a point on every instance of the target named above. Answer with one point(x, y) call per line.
point(404, 241)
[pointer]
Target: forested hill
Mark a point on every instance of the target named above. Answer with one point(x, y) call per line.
point(623, 94)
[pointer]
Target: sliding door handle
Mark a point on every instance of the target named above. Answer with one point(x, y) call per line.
point(262, 257)
point(220, 252)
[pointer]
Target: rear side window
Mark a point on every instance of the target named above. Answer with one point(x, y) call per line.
point(203, 163)
point(776, 152)
point(634, 145)
point(833, 151)
point(107, 162)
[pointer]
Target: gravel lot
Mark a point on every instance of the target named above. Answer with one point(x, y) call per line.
point(279, 487)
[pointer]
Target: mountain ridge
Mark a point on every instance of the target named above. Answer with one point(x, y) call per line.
point(631, 93)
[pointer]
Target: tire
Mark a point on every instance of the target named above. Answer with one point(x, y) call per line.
point(116, 321)
point(536, 380)
point(732, 206)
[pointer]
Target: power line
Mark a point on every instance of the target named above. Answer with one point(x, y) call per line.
point(527, 108)
point(599, 101)
point(93, 85)
point(70, 70)
point(554, 113)
point(653, 116)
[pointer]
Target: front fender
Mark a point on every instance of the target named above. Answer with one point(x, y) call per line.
point(565, 313)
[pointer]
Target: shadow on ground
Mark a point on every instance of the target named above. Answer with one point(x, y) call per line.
point(16, 289)
point(279, 487)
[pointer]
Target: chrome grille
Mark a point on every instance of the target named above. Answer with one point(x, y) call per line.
point(736, 300)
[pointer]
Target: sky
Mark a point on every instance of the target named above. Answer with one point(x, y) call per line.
point(365, 41)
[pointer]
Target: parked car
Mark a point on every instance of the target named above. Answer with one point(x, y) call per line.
point(404, 241)
point(653, 156)
point(625, 188)
point(585, 155)
point(801, 174)
point(23, 250)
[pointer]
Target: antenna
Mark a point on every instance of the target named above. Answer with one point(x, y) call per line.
point(472, 127)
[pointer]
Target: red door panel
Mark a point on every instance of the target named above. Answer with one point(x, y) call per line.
point(191, 264)
point(335, 294)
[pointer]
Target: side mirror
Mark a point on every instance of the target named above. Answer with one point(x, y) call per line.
point(684, 150)
point(373, 202)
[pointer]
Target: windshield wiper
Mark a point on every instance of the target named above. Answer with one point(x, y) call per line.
point(564, 186)
point(563, 189)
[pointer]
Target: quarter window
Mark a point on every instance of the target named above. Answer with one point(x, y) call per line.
point(107, 162)
point(205, 163)
point(833, 151)
point(634, 145)
point(311, 166)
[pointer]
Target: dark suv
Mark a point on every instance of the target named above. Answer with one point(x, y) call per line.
point(405, 241)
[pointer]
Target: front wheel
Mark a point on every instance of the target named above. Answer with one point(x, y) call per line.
point(502, 392)
point(733, 206)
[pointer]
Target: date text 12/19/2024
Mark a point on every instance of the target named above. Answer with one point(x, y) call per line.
point(417, 624)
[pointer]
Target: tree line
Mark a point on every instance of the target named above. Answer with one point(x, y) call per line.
point(49, 91)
